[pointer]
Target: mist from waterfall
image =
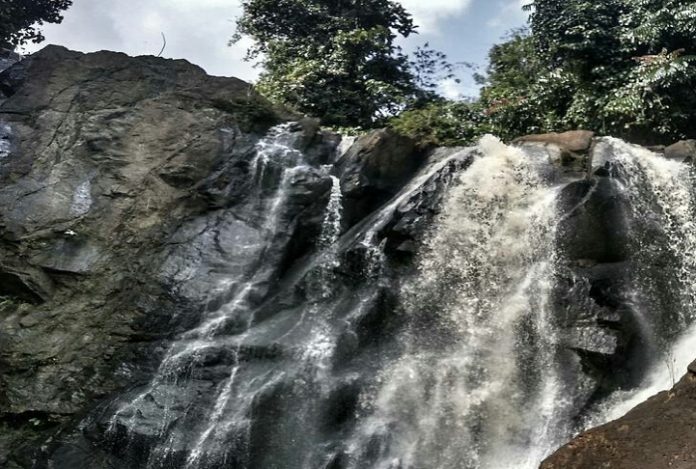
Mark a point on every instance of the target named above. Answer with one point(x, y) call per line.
point(478, 385)
point(476, 372)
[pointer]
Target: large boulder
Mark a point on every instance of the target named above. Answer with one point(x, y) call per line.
point(373, 170)
point(569, 150)
point(657, 434)
point(683, 151)
point(576, 141)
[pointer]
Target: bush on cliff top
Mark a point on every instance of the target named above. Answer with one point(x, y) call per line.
point(619, 67)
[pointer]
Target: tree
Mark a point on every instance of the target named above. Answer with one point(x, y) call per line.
point(620, 67)
point(21, 19)
point(510, 94)
point(443, 123)
point(335, 59)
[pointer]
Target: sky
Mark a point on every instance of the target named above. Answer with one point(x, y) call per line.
point(199, 31)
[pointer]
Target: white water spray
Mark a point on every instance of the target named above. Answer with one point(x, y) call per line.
point(484, 285)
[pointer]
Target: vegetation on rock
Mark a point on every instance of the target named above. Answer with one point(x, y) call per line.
point(619, 67)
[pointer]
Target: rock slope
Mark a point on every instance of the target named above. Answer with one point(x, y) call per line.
point(127, 200)
point(102, 159)
point(658, 434)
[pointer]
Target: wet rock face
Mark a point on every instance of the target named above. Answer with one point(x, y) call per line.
point(131, 191)
point(184, 283)
point(119, 178)
point(601, 243)
point(373, 170)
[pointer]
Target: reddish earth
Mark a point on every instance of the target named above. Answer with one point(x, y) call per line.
point(658, 434)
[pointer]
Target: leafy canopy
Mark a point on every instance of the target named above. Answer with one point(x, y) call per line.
point(619, 67)
point(21, 19)
point(337, 59)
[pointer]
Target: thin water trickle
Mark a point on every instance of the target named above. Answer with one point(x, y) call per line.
point(275, 168)
point(184, 355)
point(479, 379)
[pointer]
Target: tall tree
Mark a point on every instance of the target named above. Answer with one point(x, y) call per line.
point(620, 67)
point(20, 20)
point(336, 59)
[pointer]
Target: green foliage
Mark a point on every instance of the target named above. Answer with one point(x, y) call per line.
point(337, 59)
point(443, 123)
point(431, 67)
point(619, 67)
point(21, 19)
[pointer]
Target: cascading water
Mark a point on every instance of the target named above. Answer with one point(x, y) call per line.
point(478, 381)
point(663, 203)
point(481, 383)
point(461, 357)
point(276, 160)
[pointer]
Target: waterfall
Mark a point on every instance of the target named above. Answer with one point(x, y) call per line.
point(478, 383)
point(276, 160)
point(479, 368)
point(481, 382)
point(663, 202)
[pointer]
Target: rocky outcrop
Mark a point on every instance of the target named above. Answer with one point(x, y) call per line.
point(657, 434)
point(571, 148)
point(373, 170)
point(114, 171)
point(578, 141)
point(683, 151)
point(7, 59)
point(187, 278)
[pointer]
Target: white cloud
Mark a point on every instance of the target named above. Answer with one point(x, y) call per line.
point(198, 30)
point(451, 89)
point(510, 14)
point(428, 13)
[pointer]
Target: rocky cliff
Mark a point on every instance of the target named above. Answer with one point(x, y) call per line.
point(190, 277)
point(108, 165)
point(127, 207)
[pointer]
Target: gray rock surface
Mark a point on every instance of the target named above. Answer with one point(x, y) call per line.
point(139, 198)
point(131, 192)
point(107, 165)
point(682, 151)
point(373, 170)
point(657, 434)
point(7, 59)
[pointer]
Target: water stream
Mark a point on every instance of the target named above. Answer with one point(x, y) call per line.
point(480, 351)
point(474, 374)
